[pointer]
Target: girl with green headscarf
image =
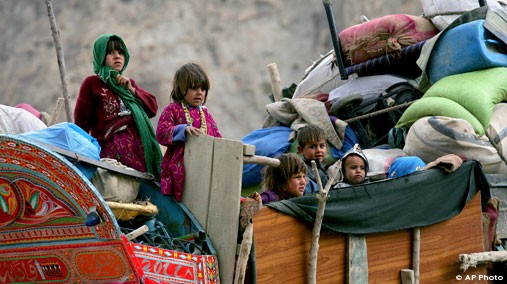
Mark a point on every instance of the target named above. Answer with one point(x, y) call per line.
point(116, 111)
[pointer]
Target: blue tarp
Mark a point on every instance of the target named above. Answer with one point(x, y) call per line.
point(70, 137)
point(269, 142)
point(67, 136)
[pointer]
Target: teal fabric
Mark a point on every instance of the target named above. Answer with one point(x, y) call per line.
point(152, 153)
point(420, 199)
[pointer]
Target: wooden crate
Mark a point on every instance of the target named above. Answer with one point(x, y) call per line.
point(282, 245)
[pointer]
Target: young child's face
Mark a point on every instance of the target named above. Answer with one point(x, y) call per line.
point(195, 97)
point(115, 59)
point(297, 184)
point(315, 150)
point(354, 169)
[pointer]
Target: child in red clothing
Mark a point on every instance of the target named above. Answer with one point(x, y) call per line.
point(185, 115)
point(117, 111)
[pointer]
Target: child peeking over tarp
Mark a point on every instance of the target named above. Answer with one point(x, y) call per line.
point(354, 166)
point(312, 147)
point(285, 181)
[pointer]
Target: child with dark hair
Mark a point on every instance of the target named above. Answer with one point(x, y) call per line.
point(354, 167)
point(286, 181)
point(185, 116)
point(312, 147)
point(116, 111)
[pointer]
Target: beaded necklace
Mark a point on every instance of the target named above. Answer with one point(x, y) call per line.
point(190, 120)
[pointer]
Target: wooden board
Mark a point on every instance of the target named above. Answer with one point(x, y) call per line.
point(282, 244)
point(213, 194)
point(80, 158)
point(198, 156)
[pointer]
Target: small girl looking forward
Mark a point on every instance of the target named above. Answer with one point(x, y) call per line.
point(185, 115)
point(286, 181)
point(354, 167)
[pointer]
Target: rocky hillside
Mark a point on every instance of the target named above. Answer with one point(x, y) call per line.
point(236, 40)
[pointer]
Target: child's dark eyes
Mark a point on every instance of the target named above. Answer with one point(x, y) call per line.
point(320, 146)
point(299, 176)
point(118, 51)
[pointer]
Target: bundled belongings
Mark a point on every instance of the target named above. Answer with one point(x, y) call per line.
point(320, 78)
point(434, 136)
point(497, 130)
point(387, 45)
point(443, 12)
point(470, 96)
point(269, 142)
point(68, 136)
point(402, 62)
point(467, 47)
point(383, 35)
point(372, 105)
point(114, 186)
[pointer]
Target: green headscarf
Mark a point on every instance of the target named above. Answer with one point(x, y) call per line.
point(152, 153)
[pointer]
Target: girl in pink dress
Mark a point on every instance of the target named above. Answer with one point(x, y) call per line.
point(185, 116)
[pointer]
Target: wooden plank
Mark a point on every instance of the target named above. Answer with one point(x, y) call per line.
point(224, 206)
point(248, 150)
point(100, 164)
point(388, 253)
point(357, 260)
point(407, 276)
point(198, 162)
point(442, 243)
point(282, 244)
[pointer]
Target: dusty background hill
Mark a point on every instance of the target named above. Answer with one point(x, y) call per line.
point(235, 39)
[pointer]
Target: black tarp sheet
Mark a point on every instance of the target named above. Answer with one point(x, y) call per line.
point(420, 199)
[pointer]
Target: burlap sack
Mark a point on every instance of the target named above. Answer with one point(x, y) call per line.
point(114, 186)
point(497, 130)
point(434, 136)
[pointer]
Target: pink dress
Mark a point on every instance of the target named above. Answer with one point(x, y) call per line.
point(171, 133)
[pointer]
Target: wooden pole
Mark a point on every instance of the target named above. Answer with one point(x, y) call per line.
point(357, 259)
point(60, 58)
point(474, 259)
point(322, 196)
point(244, 252)
point(262, 160)
point(276, 85)
point(416, 251)
point(137, 232)
point(56, 111)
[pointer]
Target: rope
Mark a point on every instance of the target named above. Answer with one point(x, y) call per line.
point(405, 104)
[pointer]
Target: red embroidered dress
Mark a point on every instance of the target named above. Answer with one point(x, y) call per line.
point(101, 113)
point(171, 133)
